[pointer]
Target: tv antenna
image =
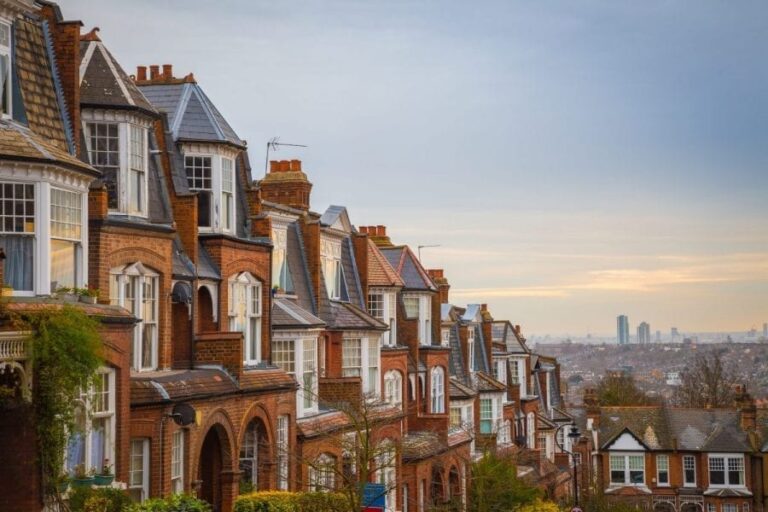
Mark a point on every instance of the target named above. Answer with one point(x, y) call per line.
point(420, 247)
point(274, 145)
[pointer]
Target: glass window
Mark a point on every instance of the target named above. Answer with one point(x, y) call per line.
point(137, 289)
point(245, 313)
point(726, 470)
point(330, 255)
point(618, 468)
point(376, 305)
point(411, 307)
point(281, 275)
point(373, 366)
point(445, 337)
point(393, 388)
point(227, 194)
point(662, 469)
point(138, 474)
point(627, 469)
point(730, 507)
point(5, 69)
point(438, 390)
point(282, 452)
point(177, 462)
point(92, 445)
point(637, 469)
point(104, 147)
point(309, 367)
point(351, 357)
point(138, 175)
point(17, 229)
point(486, 415)
point(199, 179)
point(514, 371)
point(689, 470)
point(322, 474)
point(283, 355)
point(249, 458)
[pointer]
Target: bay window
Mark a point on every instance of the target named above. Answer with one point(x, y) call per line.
point(360, 358)
point(213, 176)
point(177, 462)
point(514, 371)
point(138, 474)
point(322, 474)
point(298, 358)
point(726, 470)
point(118, 148)
point(17, 234)
point(66, 238)
point(92, 444)
point(530, 429)
point(627, 469)
point(437, 393)
point(330, 257)
point(245, 313)
point(136, 288)
point(486, 416)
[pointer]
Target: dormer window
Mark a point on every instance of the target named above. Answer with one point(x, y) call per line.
point(117, 146)
point(330, 255)
point(213, 178)
point(5, 69)
point(281, 276)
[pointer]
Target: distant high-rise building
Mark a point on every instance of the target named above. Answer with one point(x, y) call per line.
point(644, 333)
point(622, 329)
point(765, 329)
point(674, 333)
point(658, 336)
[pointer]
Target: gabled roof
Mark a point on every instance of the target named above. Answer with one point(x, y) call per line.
point(191, 114)
point(459, 390)
point(408, 268)
point(287, 314)
point(488, 384)
point(504, 332)
point(103, 83)
point(380, 272)
point(336, 217)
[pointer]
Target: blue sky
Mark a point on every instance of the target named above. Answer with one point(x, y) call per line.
point(574, 160)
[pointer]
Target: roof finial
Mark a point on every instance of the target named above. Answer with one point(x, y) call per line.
point(91, 36)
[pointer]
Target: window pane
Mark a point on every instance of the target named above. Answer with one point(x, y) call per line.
point(63, 264)
point(283, 356)
point(104, 146)
point(19, 261)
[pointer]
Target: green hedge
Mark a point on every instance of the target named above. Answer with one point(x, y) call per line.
point(175, 503)
point(104, 499)
point(281, 501)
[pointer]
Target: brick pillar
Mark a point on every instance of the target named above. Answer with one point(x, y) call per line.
point(360, 245)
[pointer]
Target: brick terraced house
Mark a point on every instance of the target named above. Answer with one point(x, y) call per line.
point(243, 330)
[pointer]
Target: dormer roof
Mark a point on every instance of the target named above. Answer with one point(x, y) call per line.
point(408, 268)
point(336, 217)
point(103, 83)
point(380, 272)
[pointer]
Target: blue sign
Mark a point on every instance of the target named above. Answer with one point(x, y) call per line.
point(374, 495)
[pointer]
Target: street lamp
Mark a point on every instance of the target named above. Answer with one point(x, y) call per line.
point(574, 435)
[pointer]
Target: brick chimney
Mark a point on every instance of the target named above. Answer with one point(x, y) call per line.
point(747, 408)
point(442, 284)
point(66, 46)
point(378, 234)
point(286, 184)
point(160, 75)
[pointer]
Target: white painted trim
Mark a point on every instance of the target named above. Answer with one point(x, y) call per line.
point(86, 59)
point(119, 80)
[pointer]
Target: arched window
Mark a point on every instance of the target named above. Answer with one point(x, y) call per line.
point(438, 390)
point(249, 457)
point(393, 388)
point(136, 288)
point(322, 474)
point(245, 313)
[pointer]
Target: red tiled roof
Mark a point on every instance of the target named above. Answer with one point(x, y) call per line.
point(322, 423)
point(380, 272)
point(252, 380)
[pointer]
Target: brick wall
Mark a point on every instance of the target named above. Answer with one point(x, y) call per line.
point(224, 348)
point(340, 390)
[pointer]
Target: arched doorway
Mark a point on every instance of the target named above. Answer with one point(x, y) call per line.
point(205, 318)
point(255, 458)
point(214, 457)
point(438, 489)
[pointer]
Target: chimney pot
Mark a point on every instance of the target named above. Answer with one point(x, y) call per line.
point(141, 73)
point(274, 166)
point(364, 229)
point(154, 71)
point(167, 71)
point(381, 230)
point(285, 166)
point(296, 165)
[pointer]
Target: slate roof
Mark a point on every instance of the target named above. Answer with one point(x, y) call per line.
point(460, 391)
point(706, 430)
point(206, 268)
point(19, 143)
point(183, 268)
point(286, 313)
point(191, 114)
point(176, 385)
point(420, 445)
point(380, 272)
point(504, 332)
point(41, 101)
point(345, 315)
point(481, 357)
point(487, 384)
point(333, 214)
point(408, 268)
point(456, 366)
point(103, 83)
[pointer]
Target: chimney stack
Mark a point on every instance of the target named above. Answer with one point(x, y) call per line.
point(167, 71)
point(154, 72)
point(286, 184)
point(141, 73)
point(438, 277)
point(747, 408)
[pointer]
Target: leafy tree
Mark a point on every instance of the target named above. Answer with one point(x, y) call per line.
point(496, 487)
point(707, 383)
point(619, 388)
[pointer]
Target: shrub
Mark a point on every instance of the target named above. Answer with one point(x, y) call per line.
point(99, 499)
point(283, 501)
point(175, 503)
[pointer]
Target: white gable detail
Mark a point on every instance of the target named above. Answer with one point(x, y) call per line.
point(626, 441)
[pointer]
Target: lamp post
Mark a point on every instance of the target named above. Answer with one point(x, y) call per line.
point(574, 434)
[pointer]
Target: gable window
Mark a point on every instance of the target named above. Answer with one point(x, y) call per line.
point(92, 445)
point(104, 150)
point(689, 471)
point(245, 313)
point(5, 69)
point(200, 179)
point(501, 371)
point(135, 288)
point(376, 305)
point(662, 469)
point(514, 371)
point(726, 470)
point(227, 194)
point(66, 237)
point(438, 390)
point(138, 474)
point(17, 234)
point(281, 276)
point(393, 388)
point(330, 256)
point(627, 469)
point(282, 452)
point(177, 462)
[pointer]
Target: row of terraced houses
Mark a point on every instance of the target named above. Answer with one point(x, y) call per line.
point(239, 324)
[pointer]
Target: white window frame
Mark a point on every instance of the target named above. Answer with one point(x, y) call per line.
point(445, 336)
point(664, 469)
point(140, 450)
point(217, 189)
point(487, 417)
point(727, 458)
point(530, 430)
point(245, 310)
point(7, 53)
point(471, 347)
point(251, 443)
point(177, 462)
point(626, 457)
point(227, 209)
point(330, 259)
point(280, 272)
point(369, 351)
point(67, 217)
point(387, 313)
point(283, 447)
point(424, 331)
point(437, 390)
point(301, 364)
point(88, 400)
point(393, 388)
point(501, 370)
point(136, 274)
point(692, 460)
point(322, 473)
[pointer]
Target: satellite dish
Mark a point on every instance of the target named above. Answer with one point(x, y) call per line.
point(183, 414)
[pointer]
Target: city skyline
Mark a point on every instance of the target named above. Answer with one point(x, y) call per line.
point(535, 125)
